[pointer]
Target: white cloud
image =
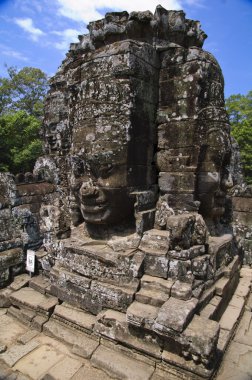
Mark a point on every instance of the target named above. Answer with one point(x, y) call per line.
point(27, 25)
point(67, 36)
point(86, 10)
point(5, 50)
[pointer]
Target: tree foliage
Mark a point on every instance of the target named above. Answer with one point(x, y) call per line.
point(23, 90)
point(19, 142)
point(21, 108)
point(239, 108)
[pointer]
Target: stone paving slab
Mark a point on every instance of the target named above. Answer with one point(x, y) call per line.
point(237, 364)
point(16, 352)
point(38, 362)
point(87, 372)
point(10, 330)
point(65, 369)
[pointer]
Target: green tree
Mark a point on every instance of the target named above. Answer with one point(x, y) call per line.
point(22, 94)
point(24, 90)
point(19, 142)
point(239, 108)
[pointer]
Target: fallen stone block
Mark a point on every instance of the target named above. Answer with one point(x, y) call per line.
point(29, 335)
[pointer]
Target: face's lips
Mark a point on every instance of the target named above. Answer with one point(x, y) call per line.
point(94, 208)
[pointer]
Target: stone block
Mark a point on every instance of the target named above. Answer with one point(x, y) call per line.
point(174, 316)
point(151, 297)
point(156, 283)
point(155, 242)
point(38, 322)
point(141, 315)
point(29, 335)
point(110, 296)
point(241, 204)
point(29, 298)
point(64, 370)
point(186, 230)
point(11, 257)
point(40, 283)
point(156, 264)
point(220, 249)
point(75, 317)
point(201, 335)
point(221, 286)
point(200, 266)
point(180, 270)
point(121, 366)
point(177, 182)
point(230, 318)
point(181, 290)
point(81, 343)
point(187, 254)
point(243, 287)
point(16, 352)
point(113, 325)
point(19, 282)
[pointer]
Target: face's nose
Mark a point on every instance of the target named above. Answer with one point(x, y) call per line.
point(227, 182)
point(88, 189)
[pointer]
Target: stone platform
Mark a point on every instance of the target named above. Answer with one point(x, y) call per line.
point(89, 342)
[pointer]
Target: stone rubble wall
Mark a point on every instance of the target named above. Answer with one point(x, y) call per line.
point(242, 221)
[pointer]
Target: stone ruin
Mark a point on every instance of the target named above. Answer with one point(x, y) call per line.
point(136, 210)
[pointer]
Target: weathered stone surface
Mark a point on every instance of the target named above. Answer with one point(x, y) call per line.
point(174, 315)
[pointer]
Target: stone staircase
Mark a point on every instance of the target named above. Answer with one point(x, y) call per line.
point(161, 326)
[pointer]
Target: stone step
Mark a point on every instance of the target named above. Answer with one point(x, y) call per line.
point(33, 300)
point(74, 317)
point(41, 284)
point(151, 297)
point(142, 315)
point(119, 365)
point(19, 282)
point(80, 343)
point(156, 284)
point(113, 325)
point(220, 247)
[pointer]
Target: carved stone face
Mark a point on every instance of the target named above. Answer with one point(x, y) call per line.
point(214, 177)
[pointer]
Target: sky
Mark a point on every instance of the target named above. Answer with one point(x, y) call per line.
point(37, 33)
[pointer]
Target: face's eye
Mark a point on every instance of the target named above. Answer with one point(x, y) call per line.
point(105, 170)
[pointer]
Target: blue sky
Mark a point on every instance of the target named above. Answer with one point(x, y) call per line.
point(38, 32)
